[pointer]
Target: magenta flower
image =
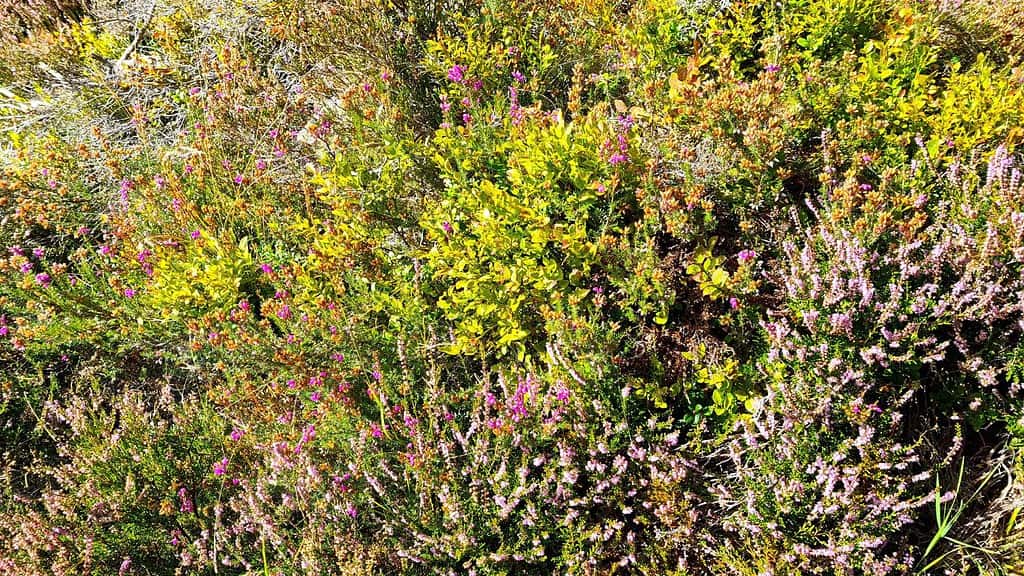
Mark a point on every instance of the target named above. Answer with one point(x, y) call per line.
point(195, 90)
point(284, 313)
point(315, 396)
point(25, 268)
point(261, 164)
point(771, 68)
point(376, 375)
point(244, 306)
point(866, 187)
point(746, 256)
point(518, 77)
point(266, 268)
point(734, 303)
point(455, 73)
point(617, 158)
point(39, 252)
point(44, 279)
point(195, 234)
point(376, 431)
point(105, 250)
point(129, 293)
point(220, 468)
point(447, 226)
point(236, 434)
point(239, 179)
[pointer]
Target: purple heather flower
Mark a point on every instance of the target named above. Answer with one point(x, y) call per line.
point(195, 90)
point(189, 168)
point(25, 268)
point(376, 375)
point(220, 468)
point(105, 250)
point(195, 234)
point(447, 226)
point(315, 396)
point(866, 187)
point(126, 565)
point(129, 293)
point(261, 164)
point(17, 251)
point(39, 252)
point(771, 68)
point(518, 77)
point(239, 179)
point(186, 502)
point(236, 434)
point(617, 158)
point(284, 313)
point(44, 279)
point(734, 303)
point(746, 256)
point(445, 104)
point(455, 73)
point(266, 268)
point(467, 118)
point(375, 431)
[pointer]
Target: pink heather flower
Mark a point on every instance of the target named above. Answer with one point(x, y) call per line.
point(367, 87)
point(83, 231)
point(447, 226)
point(176, 204)
point(466, 102)
point(160, 181)
point(455, 73)
point(244, 306)
point(266, 268)
point(445, 104)
point(44, 279)
point(291, 383)
point(284, 313)
point(771, 68)
point(562, 394)
point(375, 431)
point(236, 434)
point(273, 133)
point(746, 256)
point(105, 250)
point(467, 118)
point(261, 164)
point(239, 179)
point(129, 293)
point(17, 251)
point(351, 511)
point(220, 468)
point(477, 85)
point(376, 375)
point(39, 252)
point(186, 502)
point(518, 77)
point(734, 303)
point(385, 75)
point(195, 90)
point(617, 158)
point(126, 565)
point(866, 187)
point(189, 168)
point(25, 268)
point(315, 396)
point(195, 234)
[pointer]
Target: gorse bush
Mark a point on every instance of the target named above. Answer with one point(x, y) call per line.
point(511, 287)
